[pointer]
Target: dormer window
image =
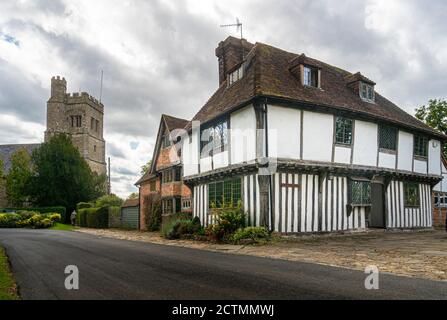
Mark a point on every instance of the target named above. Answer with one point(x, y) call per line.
point(310, 76)
point(366, 92)
point(236, 75)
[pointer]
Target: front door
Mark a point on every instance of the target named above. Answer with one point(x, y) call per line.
point(377, 216)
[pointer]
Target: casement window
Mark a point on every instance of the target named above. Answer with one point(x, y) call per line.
point(153, 186)
point(214, 139)
point(310, 76)
point(166, 176)
point(343, 131)
point(236, 75)
point(387, 138)
point(367, 92)
point(411, 194)
point(186, 203)
point(224, 193)
point(360, 193)
point(171, 205)
point(420, 146)
point(76, 121)
point(166, 141)
point(178, 174)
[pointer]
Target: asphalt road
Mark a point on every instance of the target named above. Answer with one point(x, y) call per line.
point(117, 269)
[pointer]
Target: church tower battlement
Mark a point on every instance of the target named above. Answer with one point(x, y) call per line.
point(80, 116)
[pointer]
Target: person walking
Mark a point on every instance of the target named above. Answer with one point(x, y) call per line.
point(73, 218)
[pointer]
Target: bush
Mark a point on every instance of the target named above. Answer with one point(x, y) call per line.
point(109, 201)
point(115, 217)
point(60, 210)
point(229, 220)
point(251, 234)
point(28, 219)
point(84, 205)
point(181, 228)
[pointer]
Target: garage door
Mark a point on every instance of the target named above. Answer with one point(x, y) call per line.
point(130, 217)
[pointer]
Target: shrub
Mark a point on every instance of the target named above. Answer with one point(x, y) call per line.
point(228, 221)
point(60, 210)
point(93, 218)
point(9, 220)
point(180, 228)
point(28, 219)
point(251, 234)
point(152, 212)
point(84, 205)
point(109, 201)
point(114, 217)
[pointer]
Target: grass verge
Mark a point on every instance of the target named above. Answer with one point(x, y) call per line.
point(62, 227)
point(8, 287)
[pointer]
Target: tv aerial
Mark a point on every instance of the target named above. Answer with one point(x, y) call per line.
point(238, 26)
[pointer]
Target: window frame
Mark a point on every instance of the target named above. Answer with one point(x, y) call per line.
point(235, 75)
point(153, 186)
point(221, 187)
point(343, 143)
point(370, 95)
point(220, 144)
point(188, 203)
point(393, 130)
point(422, 143)
point(407, 202)
point(307, 81)
point(366, 200)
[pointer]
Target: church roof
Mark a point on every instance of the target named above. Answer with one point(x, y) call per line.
point(7, 150)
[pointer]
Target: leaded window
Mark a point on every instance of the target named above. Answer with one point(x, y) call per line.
point(224, 193)
point(420, 146)
point(166, 176)
point(214, 139)
point(411, 194)
point(236, 75)
point(367, 92)
point(360, 193)
point(387, 138)
point(343, 131)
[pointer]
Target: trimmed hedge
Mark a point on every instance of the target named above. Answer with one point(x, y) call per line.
point(84, 205)
point(61, 210)
point(93, 218)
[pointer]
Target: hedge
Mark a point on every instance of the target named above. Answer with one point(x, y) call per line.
point(84, 205)
point(61, 210)
point(93, 218)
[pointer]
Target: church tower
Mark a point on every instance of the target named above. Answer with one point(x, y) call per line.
point(81, 117)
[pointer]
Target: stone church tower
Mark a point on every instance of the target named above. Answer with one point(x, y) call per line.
point(80, 116)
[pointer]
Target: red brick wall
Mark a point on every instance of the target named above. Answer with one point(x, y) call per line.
point(145, 191)
point(164, 158)
point(439, 216)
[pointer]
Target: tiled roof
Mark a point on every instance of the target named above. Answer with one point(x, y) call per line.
point(174, 123)
point(131, 203)
point(7, 150)
point(268, 74)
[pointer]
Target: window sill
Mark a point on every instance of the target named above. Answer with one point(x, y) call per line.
point(343, 145)
point(420, 158)
point(360, 205)
point(412, 207)
point(389, 151)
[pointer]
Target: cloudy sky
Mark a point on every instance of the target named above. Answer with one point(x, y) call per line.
point(158, 57)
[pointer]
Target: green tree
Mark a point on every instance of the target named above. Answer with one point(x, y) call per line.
point(146, 167)
point(2, 174)
point(18, 178)
point(62, 176)
point(435, 115)
point(109, 201)
point(133, 195)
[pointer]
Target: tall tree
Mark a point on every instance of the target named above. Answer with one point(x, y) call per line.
point(133, 195)
point(2, 174)
point(62, 176)
point(146, 167)
point(435, 115)
point(18, 177)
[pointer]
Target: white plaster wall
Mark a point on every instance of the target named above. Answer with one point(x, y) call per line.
point(420, 166)
point(365, 143)
point(284, 132)
point(434, 157)
point(342, 155)
point(205, 164)
point(243, 135)
point(317, 136)
point(405, 151)
point(220, 160)
point(190, 155)
point(387, 160)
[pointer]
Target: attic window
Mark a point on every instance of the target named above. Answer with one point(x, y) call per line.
point(235, 75)
point(366, 92)
point(310, 76)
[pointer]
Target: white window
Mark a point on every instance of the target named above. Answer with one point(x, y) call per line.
point(310, 77)
point(236, 75)
point(367, 92)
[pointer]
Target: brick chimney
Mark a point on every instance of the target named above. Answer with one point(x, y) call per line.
point(230, 53)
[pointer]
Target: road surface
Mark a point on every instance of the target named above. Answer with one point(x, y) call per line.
point(117, 269)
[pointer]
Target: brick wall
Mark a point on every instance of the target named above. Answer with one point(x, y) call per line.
point(439, 216)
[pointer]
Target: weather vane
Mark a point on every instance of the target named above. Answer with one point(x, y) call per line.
point(238, 26)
